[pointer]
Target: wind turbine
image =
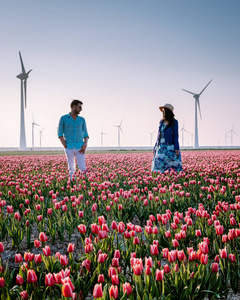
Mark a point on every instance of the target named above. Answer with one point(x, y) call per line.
point(119, 129)
point(183, 129)
point(23, 77)
point(151, 134)
point(40, 132)
point(102, 133)
point(197, 104)
point(232, 131)
point(33, 124)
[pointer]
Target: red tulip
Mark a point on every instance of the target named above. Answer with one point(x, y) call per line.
point(159, 275)
point(165, 252)
point(100, 278)
point(66, 290)
point(181, 255)
point(198, 232)
point(127, 288)
point(37, 243)
point(82, 228)
point(43, 237)
point(113, 291)
point(175, 243)
point(31, 276)
point(46, 251)
point(38, 258)
point(117, 254)
point(172, 256)
point(232, 257)
point(192, 256)
point(2, 282)
point(203, 247)
point(70, 247)
point(19, 279)
point(63, 260)
point(167, 234)
point(97, 291)
point(204, 259)
point(28, 256)
point(114, 225)
point(223, 253)
point(115, 280)
point(24, 294)
point(154, 250)
point(148, 262)
point(95, 228)
point(1, 247)
point(166, 269)
point(219, 229)
point(18, 258)
point(49, 281)
point(214, 267)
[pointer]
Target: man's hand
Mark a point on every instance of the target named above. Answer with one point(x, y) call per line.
point(82, 150)
point(177, 152)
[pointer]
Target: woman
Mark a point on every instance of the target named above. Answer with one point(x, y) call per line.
point(166, 150)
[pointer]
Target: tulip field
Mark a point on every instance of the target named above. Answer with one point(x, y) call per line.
point(121, 232)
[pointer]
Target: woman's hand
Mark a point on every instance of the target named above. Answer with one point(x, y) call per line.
point(177, 152)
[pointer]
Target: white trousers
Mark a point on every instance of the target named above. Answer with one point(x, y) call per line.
point(71, 154)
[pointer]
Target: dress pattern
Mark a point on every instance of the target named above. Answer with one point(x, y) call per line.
point(165, 157)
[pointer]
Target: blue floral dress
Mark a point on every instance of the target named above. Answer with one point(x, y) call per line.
point(165, 157)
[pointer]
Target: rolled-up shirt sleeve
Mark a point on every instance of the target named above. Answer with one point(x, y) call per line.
point(60, 127)
point(85, 133)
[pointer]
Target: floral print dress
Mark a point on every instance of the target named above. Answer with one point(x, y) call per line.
point(165, 157)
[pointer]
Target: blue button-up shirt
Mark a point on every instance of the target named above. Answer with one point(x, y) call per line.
point(74, 132)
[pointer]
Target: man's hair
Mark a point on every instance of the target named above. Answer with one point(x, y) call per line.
point(75, 102)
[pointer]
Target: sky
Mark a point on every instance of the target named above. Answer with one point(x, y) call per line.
point(123, 59)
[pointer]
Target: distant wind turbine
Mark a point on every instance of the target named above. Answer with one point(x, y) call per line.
point(102, 133)
point(23, 77)
point(40, 134)
point(232, 131)
point(33, 124)
point(119, 132)
point(151, 134)
point(182, 130)
point(197, 104)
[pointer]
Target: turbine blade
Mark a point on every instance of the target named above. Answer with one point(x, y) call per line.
point(235, 132)
point(23, 69)
point(198, 103)
point(205, 87)
point(25, 92)
point(121, 129)
point(188, 92)
point(29, 71)
point(121, 122)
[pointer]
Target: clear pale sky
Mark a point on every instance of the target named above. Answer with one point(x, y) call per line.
point(123, 59)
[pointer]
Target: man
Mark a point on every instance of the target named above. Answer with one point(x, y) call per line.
point(72, 132)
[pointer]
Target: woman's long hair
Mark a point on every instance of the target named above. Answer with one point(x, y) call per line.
point(169, 116)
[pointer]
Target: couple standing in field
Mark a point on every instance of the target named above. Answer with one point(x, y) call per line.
point(72, 132)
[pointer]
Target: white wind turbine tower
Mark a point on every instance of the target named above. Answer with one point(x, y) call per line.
point(40, 134)
point(232, 131)
point(102, 134)
point(197, 104)
point(23, 77)
point(33, 124)
point(119, 129)
point(151, 134)
point(182, 130)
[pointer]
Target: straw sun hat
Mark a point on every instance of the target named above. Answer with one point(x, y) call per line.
point(168, 106)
